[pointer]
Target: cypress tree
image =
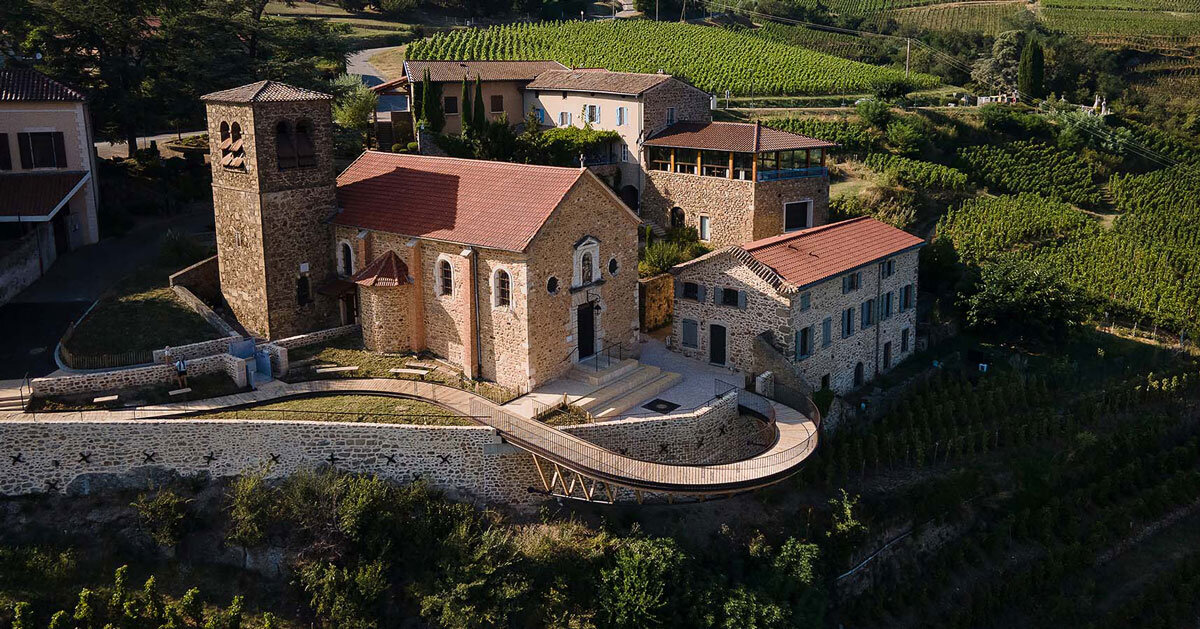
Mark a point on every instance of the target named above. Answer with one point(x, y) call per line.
point(1032, 71)
point(431, 105)
point(468, 120)
point(480, 121)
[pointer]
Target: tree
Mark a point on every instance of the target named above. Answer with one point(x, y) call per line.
point(354, 104)
point(480, 120)
point(465, 109)
point(431, 105)
point(1032, 72)
point(999, 71)
point(636, 591)
point(875, 112)
point(1014, 299)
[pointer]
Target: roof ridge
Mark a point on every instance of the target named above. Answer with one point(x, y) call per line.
point(471, 159)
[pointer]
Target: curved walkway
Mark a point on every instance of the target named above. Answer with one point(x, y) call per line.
point(797, 436)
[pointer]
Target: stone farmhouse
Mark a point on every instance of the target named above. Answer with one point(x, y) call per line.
point(48, 190)
point(673, 165)
point(512, 272)
point(829, 307)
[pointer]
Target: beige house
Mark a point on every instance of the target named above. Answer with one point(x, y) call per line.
point(502, 82)
point(48, 189)
point(513, 272)
point(634, 105)
point(827, 307)
point(735, 182)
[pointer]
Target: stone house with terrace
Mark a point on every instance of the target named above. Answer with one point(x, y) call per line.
point(49, 195)
point(513, 272)
point(735, 182)
point(836, 304)
point(634, 105)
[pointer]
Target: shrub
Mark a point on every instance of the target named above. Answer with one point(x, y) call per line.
point(904, 138)
point(162, 516)
point(876, 112)
point(396, 8)
point(660, 256)
point(346, 598)
point(249, 510)
point(635, 591)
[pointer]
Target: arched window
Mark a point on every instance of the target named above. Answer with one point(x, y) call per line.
point(233, 155)
point(585, 269)
point(285, 148)
point(858, 375)
point(677, 219)
point(347, 259)
point(552, 285)
point(303, 290)
point(445, 278)
point(306, 154)
point(503, 289)
point(613, 266)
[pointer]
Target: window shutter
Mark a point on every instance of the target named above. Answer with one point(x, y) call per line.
point(845, 284)
point(742, 299)
point(25, 150)
point(678, 289)
point(700, 293)
point(60, 150)
point(5, 155)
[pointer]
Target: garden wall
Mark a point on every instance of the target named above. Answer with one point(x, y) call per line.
point(278, 350)
point(656, 296)
point(71, 455)
point(196, 350)
point(202, 279)
point(108, 382)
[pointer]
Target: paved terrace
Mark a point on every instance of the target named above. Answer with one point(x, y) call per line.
point(797, 435)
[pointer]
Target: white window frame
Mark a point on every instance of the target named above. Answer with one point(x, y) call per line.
point(592, 114)
point(670, 116)
point(438, 284)
point(808, 218)
point(592, 246)
point(496, 288)
point(705, 228)
point(624, 152)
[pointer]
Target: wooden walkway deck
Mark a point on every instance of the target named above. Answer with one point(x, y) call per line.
point(797, 436)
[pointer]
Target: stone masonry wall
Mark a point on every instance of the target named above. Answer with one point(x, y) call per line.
point(106, 382)
point(769, 197)
point(195, 350)
point(463, 461)
point(729, 204)
point(386, 312)
point(765, 309)
point(299, 237)
point(199, 307)
point(202, 278)
point(656, 298)
point(691, 105)
point(589, 209)
point(20, 266)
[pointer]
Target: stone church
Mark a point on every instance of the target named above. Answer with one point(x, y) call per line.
point(513, 272)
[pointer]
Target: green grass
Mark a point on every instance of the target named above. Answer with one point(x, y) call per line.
point(379, 409)
point(139, 314)
point(390, 63)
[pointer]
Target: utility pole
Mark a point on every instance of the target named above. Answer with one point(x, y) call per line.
point(907, 56)
point(655, 10)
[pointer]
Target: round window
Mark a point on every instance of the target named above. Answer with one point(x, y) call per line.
point(552, 285)
point(613, 266)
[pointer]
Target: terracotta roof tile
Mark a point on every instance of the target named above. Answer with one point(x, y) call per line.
point(498, 205)
point(22, 84)
point(443, 71)
point(387, 270)
point(805, 257)
point(741, 137)
point(35, 195)
point(597, 80)
point(264, 92)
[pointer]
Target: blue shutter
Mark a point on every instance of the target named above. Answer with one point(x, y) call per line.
point(827, 332)
point(845, 284)
point(678, 289)
point(700, 292)
point(742, 299)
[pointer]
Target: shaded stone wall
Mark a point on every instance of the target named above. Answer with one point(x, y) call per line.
point(466, 462)
point(729, 204)
point(20, 267)
point(656, 300)
point(386, 313)
point(765, 309)
point(298, 237)
point(195, 350)
point(203, 279)
point(589, 209)
point(199, 307)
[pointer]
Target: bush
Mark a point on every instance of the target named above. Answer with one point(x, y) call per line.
point(904, 138)
point(876, 112)
point(1014, 299)
point(249, 510)
point(162, 516)
point(660, 256)
point(636, 591)
point(346, 598)
point(396, 8)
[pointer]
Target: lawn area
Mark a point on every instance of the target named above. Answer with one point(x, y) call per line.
point(140, 314)
point(390, 62)
point(348, 351)
point(378, 409)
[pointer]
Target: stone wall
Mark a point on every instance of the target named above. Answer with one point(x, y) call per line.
point(21, 266)
point(199, 307)
point(66, 456)
point(313, 338)
point(195, 350)
point(769, 197)
point(711, 434)
point(203, 279)
point(728, 203)
point(109, 382)
point(656, 301)
point(386, 314)
point(691, 105)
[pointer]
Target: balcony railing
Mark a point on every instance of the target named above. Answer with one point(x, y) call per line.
point(793, 173)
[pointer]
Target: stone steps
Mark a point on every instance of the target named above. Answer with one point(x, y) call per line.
point(619, 388)
point(610, 409)
point(601, 377)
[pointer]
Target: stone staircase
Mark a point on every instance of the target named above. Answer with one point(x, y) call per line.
point(10, 399)
point(621, 386)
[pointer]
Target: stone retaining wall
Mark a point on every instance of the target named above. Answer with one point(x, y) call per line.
point(202, 279)
point(312, 338)
point(196, 304)
point(656, 296)
point(107, 382)
point(66, 455)
point(196, 350)
point(21, 266)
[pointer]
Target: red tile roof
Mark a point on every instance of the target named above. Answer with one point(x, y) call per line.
point(805, 257)
point(33, 196)
point(597, 80)
point(264, 92)
point(22, 84)
point(443, 71)
point(740, 137)
point(498, 205)
point(387, 270)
